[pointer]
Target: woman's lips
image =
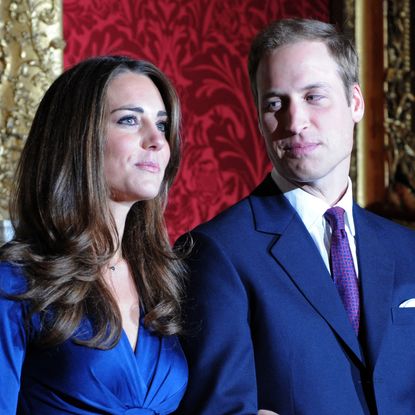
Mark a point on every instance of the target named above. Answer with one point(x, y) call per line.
point(149, 166)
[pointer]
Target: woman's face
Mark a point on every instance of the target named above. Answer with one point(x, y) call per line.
point(136, 152)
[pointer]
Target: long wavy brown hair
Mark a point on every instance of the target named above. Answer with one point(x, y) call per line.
point(63, 226)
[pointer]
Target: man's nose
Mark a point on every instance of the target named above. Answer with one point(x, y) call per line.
point(296, 118)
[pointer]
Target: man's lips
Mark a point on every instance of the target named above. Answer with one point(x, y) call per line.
point(299, 149)
point(149, 166)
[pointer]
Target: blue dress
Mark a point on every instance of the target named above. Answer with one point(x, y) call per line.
point(74, 379)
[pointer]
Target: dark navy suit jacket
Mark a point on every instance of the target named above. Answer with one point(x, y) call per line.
point(267, 328)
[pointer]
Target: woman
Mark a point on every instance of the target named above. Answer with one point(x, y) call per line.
point(91, 288)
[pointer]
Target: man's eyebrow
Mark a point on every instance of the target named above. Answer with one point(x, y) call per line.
point(317, 85)
point(272, 94)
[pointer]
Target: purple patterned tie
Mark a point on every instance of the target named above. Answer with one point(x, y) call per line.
point(342, 266)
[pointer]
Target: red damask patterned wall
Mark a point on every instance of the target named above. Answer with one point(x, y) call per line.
point(202, 46)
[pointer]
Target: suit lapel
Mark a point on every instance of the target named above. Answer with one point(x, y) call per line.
point(376, 273)
point(297, 254)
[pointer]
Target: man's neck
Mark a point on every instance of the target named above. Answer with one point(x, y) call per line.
point(331, 192)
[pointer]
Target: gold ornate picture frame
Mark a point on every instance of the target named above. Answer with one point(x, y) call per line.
point(400, 110)
point(383, 166)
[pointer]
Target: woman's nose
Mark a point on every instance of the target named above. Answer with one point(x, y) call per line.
point(153, 138)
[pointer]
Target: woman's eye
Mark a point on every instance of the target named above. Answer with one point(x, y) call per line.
point(128, 120)
point(162, 126)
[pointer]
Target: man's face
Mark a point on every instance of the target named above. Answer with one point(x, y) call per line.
point(304, 115)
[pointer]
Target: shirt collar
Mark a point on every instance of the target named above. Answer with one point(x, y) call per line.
point(310, 208)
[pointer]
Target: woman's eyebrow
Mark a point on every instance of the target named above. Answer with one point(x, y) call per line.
point(134, 109)
point(138, 109)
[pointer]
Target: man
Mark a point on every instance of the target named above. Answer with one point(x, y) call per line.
point(291, 310)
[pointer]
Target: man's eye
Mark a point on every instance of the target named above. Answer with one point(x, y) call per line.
point(314, 97)
point(128, 120)
point(273, 105)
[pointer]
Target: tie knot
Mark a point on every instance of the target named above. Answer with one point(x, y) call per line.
point(335, 217)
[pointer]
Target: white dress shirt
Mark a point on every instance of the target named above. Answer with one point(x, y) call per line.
point(311, 210)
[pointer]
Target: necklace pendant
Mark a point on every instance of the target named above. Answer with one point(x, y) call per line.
point(112, 267)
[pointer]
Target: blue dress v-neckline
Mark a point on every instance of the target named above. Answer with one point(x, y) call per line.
point(74, 379)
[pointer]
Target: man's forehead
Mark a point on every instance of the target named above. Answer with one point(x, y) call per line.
point(299, 59)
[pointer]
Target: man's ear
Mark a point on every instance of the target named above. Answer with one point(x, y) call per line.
point(357, 103)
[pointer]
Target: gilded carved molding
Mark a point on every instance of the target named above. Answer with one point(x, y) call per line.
point(400, 110)
point(31, 46)
point(383, 164)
